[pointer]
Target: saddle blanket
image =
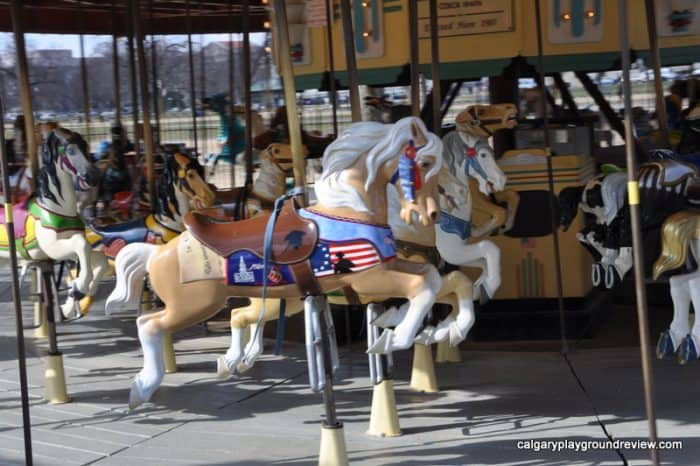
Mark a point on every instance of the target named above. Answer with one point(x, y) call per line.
point(111, 238)
point(198, 262)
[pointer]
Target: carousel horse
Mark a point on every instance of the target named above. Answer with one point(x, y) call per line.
point(609, 238)
point(416, 243)
point(308, 245)
point(48, 225)
point(681, 233)
point(279, 133)
point(181, 186)
point(231, 136)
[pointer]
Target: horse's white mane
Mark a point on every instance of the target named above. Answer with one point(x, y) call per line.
point(381, 143)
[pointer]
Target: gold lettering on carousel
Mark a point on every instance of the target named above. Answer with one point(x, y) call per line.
point(465, 17)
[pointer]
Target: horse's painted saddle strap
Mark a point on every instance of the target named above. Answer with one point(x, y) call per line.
point(53, 220)
point(305, 279)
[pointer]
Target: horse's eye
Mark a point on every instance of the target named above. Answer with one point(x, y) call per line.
point(483, 156)
point(424, 164)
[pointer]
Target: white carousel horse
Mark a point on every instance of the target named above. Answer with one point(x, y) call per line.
point(451, 237)
point(48, 224)
point(680, 234)
point(351, 213)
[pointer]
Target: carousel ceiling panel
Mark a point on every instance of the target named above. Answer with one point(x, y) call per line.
point(158, 17)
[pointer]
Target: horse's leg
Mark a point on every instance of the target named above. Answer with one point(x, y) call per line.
point(459, 253)
point(150, 376)
point(690, 345)
point(457, 291)
point(99, 267)
point(417, 282)
point(670, 340)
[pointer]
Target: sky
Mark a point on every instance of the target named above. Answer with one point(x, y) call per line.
point(72, 41)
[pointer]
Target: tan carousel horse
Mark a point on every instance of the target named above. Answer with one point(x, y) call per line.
point(308, 247)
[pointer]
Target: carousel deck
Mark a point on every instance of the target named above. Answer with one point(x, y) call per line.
point(488, 403)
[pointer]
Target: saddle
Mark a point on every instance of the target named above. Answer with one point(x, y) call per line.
point(293, 240)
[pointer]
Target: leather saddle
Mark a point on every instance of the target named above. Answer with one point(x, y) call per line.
point(294, 238)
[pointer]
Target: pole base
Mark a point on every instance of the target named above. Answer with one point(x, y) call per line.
point(383, 419)
point(55, 380)
point(447, 353)
point(42, 331)
point(423, 373)
point(169, 354)
point(333, 451)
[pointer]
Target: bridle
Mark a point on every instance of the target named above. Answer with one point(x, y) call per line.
point(408, 172)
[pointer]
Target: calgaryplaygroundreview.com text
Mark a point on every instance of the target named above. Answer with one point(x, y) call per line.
point(587, 445)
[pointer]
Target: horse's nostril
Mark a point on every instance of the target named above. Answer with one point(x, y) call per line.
point(433, 215)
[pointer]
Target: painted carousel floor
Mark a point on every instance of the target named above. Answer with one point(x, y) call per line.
point(488, 403)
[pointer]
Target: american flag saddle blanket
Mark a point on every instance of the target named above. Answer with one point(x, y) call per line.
point(344, 246)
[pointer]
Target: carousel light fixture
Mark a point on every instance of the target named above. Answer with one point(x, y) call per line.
point(266, 25)
point(566, 16)
point(590, 14)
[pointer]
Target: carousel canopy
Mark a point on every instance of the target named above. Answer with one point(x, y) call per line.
point(108, 16)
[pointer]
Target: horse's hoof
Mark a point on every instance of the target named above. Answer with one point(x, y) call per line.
point(84, 305)
point(484, 295)
point(687, 351)
point(390, 318)
point(222, 371)
point(244, 366)
point(596, 274)
point(382, 344)
point(136, 398)
point(665, 347)
point(457, 335)
point(70, 311)
point(426, 337)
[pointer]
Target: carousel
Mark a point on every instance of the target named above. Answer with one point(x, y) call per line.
point(408, 230)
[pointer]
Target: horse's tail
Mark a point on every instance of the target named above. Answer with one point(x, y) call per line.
point(677, 232)
point(131, 266)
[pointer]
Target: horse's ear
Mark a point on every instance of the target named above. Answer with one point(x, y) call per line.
point(63, 134)
point(418, 135)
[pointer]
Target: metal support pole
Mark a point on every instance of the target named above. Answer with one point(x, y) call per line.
point(16, 297)
point(203, 91)
point(290, 98)
point(83, 75)
point(132, 79)
point(230, 86)
point(190, 57)
point(23, 78)
point(143, 87)
point(637, 240)
point(154, 76)
point(115, 68)
point(656, 65)
point(415, 76)
point(247, 84)
point(351, 60)
point(435, 67)
point(331, 66)
point(550, 180)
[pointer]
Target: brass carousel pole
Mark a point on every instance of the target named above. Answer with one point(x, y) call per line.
point(132, 78)
point(190, 58)
point(231, 86)
point(656, 65)
point(145, 106)
point(203, 82)
point(16, 296)
point(247, 84)
point(83, 74)
point(154, 74)
point(351, 60)
point(25, 89)
point(637, 240)
point(435, 68)
point(550, 180)
point(115, 68)
point(331, 66)
point(415, 76)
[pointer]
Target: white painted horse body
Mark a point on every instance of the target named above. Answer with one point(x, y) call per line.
point(65, 171)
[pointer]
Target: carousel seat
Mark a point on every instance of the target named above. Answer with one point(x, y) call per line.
point(293, 240)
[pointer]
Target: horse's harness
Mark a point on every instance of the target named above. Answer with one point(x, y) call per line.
point(482, 124)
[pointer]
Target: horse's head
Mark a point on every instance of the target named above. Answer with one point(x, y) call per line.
point(67, 152)
point(569, 200)
point(280, 154)
point(476, 162)
point(663, 188)
point(484, 120)
point(415, 174)
point(187, 175)
point(454, 194)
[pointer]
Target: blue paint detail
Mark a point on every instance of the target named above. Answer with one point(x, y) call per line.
point(664, 348)
point(692, 158)
point(455, 225)
point(132, 231)
point(473, 162)
point(359, 26)
point(577, 17)
point(598, 9)
point(557, 13)
point(406, 177)
point(335, 230)
point(249, 272)
point(687, 351)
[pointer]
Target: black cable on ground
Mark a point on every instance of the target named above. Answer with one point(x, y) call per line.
point(595, 410)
